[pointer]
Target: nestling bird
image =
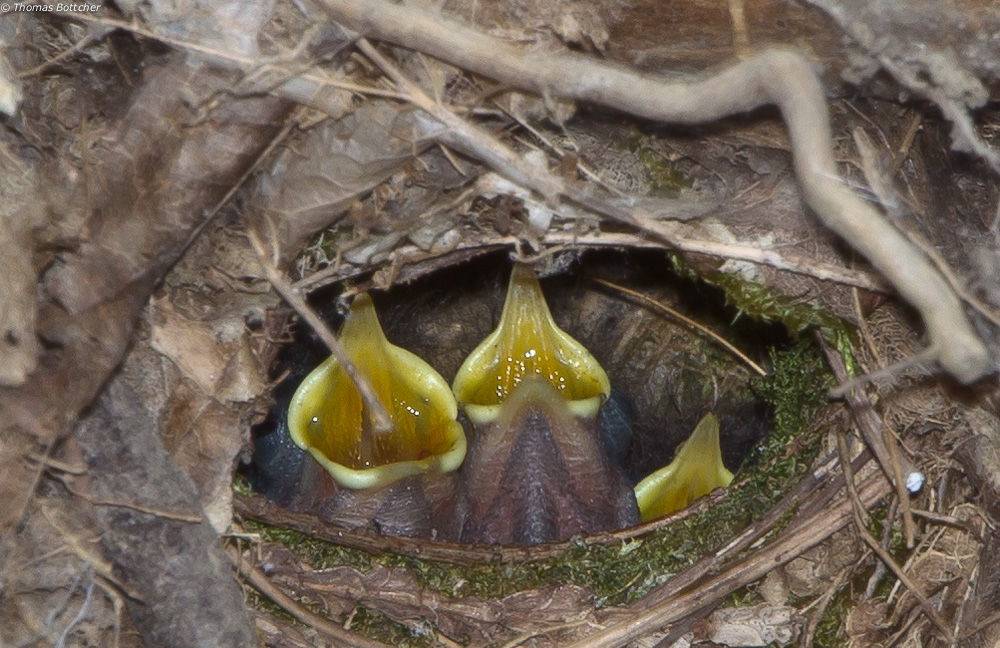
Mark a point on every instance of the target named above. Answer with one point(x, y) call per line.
point(696, 470)
point(328, 417)
point(537, 469)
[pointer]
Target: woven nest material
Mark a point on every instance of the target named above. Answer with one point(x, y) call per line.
point(162, 173)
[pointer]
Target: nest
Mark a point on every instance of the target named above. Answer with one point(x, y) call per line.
point(168, 203)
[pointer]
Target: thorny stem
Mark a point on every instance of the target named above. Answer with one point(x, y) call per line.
point(774, 77)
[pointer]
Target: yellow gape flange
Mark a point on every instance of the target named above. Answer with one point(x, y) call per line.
point(328, 418)
point(695, 471)
point(528, 342)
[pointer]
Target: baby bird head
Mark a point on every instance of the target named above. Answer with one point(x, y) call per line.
point(329, 418)
point(527, 342)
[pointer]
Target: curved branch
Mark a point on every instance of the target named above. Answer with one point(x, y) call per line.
point(781, 78)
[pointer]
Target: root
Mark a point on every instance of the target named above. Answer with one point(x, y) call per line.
point(775, 77)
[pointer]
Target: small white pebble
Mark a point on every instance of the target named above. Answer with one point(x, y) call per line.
point(914, 482)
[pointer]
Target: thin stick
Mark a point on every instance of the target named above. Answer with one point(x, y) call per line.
point(866, 334)
point(949, 274)
point(97, 562)
point(580, 166)
point(666, 310)
point(822, 603)
point(84, 42)
point(796, 264)
point(61, 466)
point(970, 587)
point(878, 438)
point(741, 33)
point(517, 641)
point(904, 148)
point(892, 371)
point(281, 136)
point(845, 462)
point(909, 524)
point(982, 625)
point(167, 515)
point(381, 420)
point(342, 637)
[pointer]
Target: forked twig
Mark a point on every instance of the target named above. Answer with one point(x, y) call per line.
point(878, 437)
point(775, 77)
point(381, 420)
point(859, 513)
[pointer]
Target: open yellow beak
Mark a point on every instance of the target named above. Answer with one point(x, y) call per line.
point(328, 418)
point(528, 342)
point(695, 471)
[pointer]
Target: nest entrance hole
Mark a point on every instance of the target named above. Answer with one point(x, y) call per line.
point(669, 374)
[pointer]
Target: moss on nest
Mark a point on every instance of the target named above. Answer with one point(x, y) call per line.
point(665, 177)
point(393, 633)
point(762, 303)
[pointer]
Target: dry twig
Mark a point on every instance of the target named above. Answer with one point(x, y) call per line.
point(381, 420)
point(517, 641)
point(896, 466)
point(339, 635)
point(859, 514)
point(670, 312)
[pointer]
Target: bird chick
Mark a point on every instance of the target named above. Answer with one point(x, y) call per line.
point(328, 417)
point(538, 473)
point(537, 470)
point(696, 470)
